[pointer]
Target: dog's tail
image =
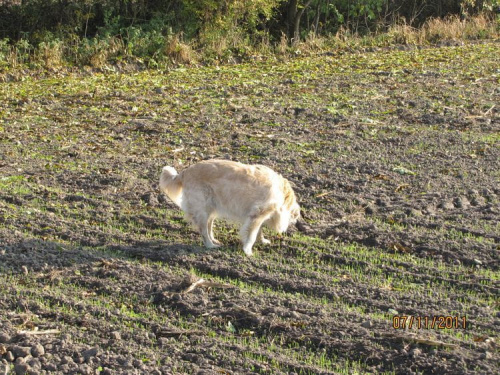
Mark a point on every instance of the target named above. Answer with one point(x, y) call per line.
point(171, 184)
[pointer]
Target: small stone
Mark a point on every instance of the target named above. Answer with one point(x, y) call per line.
point(367, 324)
point(414, 353)
point(10, 356)
point(66, 338)
point(125, 362)
point(87, 354)
point(38, 350)
point(364, 332)
point(4, 338)
point(163, 342)
point(116, 335)
point(21, 368)
point(50, 367)
point(35, 364)
point(486, 355)
point(63, 368)
point(150, 199)
point(25, 270)
point(430, 210)
point(370, 209)
point(461, 202)
point(413, 212)
point(67, 360)
point(20, 351)
point(85, 369)
point(447, 205)
point(79, 359)
point(486, 192)
point(477, 201)
point(477, 261)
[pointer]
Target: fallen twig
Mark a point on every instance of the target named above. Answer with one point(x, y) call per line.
point(36, 332)
point(401, 187)
point(178, 150)
point(323, 194)
point(194, 285)
point(419, 340)
point(433, 342)
point(489, 110)
point(205, 284)
point(175, 333)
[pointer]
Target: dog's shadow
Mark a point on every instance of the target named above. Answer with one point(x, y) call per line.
point(35, 255)
point(167, 252)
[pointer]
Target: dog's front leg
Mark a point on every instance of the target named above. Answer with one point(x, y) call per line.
point(261, 237)
point(249, 232)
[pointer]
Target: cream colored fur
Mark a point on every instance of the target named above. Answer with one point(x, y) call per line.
point(252, 195)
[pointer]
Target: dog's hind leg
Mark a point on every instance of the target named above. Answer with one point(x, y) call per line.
point(210, 230)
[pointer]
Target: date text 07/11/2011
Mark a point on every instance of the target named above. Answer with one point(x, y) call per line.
point(429, 322)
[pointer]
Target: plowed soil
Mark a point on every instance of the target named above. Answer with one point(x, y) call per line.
point(394, 156)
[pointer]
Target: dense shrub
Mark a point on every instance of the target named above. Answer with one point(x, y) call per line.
point(52, 32)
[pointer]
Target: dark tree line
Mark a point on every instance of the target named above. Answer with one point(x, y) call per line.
point(38, 19)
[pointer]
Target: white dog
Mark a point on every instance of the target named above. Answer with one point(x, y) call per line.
point(249, 194)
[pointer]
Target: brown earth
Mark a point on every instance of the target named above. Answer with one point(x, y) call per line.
point(394, 156)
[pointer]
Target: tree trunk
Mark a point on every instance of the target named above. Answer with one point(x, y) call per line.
point(327, 11)
point(292, 13)
point(316, 18)
point(296, 28)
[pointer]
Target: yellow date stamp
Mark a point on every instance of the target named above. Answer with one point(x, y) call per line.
point(429, 322)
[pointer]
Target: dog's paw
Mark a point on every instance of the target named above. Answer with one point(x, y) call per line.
point(248, 251)
point(265, 241)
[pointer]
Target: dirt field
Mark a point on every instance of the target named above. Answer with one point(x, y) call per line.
point(395, 158)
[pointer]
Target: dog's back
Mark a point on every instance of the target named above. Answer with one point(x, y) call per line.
point(232, 189)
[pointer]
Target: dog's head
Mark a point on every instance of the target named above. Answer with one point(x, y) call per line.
point(295, 213)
